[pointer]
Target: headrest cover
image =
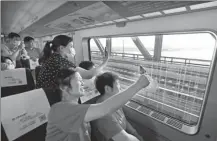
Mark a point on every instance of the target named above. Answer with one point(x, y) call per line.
point(24, 112)
point(14, 77)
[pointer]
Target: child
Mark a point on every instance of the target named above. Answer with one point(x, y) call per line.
point(7, 63)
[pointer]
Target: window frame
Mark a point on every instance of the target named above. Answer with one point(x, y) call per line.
point(211, 69)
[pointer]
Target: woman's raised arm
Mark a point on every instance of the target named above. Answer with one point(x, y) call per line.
point(110, 105)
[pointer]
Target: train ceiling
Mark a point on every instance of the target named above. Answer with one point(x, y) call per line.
point(41, 18)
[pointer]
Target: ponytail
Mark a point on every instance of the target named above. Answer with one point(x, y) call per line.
point(53, 46)
point(47, 51)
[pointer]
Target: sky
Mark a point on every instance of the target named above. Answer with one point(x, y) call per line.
point(195, 46)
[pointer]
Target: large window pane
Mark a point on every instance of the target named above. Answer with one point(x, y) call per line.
point(193, 46)
point(148, 42)
point(182, 74)
point(124, 45)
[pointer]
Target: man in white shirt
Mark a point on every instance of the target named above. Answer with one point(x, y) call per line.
point(30, 46)
point(13, 48)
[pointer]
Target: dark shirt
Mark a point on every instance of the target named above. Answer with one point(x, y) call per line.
point(50, 69)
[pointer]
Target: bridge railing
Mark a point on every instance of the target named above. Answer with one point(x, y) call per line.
point(172, 60)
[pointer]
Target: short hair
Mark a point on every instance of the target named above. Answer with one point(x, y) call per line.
point(13, 35)
point(28, 39)
point(87, 65)
point(105, 79)
point(4, 58)
point(63, 76)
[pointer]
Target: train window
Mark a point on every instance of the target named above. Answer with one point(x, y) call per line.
point(103, 42)
point(93, 46)
point(148, 42)
point(124, 47)
point(97, 46)
point(179, 47)
point(182, 74)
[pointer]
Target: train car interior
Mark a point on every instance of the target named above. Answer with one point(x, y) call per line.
point(175, 42)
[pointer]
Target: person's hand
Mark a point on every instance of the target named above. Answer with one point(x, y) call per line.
point(153, 84)
point(21, 46)
point(144, 79)
point(25, 57)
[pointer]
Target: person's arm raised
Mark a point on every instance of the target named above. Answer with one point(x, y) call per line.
point(88, 74)
point(110, 105)
point(17, 52)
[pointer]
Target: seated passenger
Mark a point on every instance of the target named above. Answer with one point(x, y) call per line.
point(87, 65)
point(66, 118)
point(63, 51)
point(13, 48)
point(32, 51)
point(114, 126)
point(7, 63)
point(89, 86)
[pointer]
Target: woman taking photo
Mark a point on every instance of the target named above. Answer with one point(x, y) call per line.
point(67, 118)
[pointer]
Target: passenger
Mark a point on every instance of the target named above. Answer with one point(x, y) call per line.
point(114, 126)
point(87, 65)
point(30, 46)
point(89, 86)
point(7, 63)
point(66, 118)
point(43, 57)
point(63, 51)
point(13, 48)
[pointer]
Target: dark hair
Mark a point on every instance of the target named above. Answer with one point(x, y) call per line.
point(54, 45)
point(28, 39)
point(3, 59)
point(13, 35)
point(105, 79)
point(87, 65)
point(63, 77)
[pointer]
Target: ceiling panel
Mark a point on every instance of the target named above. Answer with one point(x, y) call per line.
point(39, 27)
point(92, 14)
point(132, 8)
point(18, 15)
point(72, 15)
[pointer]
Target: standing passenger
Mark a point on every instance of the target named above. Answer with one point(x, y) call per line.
point(30, 46)
point(14, 48)
point(57, 55)
point(66, 118)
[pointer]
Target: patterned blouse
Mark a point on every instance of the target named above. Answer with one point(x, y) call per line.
point(50, 69)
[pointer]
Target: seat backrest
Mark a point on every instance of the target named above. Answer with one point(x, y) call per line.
point(16, 81)
point(24, 116)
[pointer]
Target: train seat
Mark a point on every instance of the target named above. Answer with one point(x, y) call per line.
point(24, 116)
point(16, 81)
point(47, 98)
